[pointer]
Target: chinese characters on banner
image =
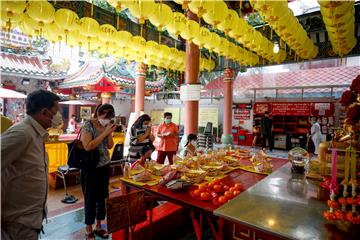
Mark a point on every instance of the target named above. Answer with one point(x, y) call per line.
point(261, 108)
point(291, 109)
point(295, 109)
point(242, 111)
point(242, 114)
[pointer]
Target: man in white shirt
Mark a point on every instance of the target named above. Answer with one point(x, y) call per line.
point(316, 134)
point(24, 169)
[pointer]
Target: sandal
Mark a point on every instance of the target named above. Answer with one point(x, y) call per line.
point(90, 236)
point(101, 233)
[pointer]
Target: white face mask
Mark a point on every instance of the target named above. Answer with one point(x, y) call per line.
point(193, 142)
point(104, 122)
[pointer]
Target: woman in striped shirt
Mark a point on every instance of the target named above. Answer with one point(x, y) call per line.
point(140, 135)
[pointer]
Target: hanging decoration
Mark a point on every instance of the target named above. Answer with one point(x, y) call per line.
point(11, 14)
point(339, 19)
point(41, 12)
point(67, 21)
point(282, 20)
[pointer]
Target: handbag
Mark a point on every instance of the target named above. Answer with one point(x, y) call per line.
point(79, 158)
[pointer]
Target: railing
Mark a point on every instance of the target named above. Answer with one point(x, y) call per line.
point(302, 90)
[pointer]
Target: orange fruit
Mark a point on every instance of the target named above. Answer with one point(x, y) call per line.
point(218, 188)
point(238, 186)
point(211, 185)
point(216, 181)
point(236, 192)
point(222, 200)
point(196, 193)
point(202, 188)
point(228, 195)
point(205, 196)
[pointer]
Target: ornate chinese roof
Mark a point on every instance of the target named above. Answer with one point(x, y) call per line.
point(29, 66)
point(118, 72)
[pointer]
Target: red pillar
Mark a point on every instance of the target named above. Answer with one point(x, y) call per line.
point(105, 98)
point(227, 137)
point(191, 116)
point(140, 87)
point(132, 104)
point(72, 111)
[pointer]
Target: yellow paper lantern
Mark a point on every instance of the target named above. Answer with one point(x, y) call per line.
point(164, 51)
point(214, 41)
point(11, 13)
point(89, 28)
point(161, 16)
point(177, 24)
point(141, 9)
point(230, 22)
point(54, 33)
point(239, 30)
point(67, 20)
point(30, 27)
point(152, 48)
point(123, 38)
point(203, 37)
point(107, 33)
point(41, 11)
point(191, 30)
point(79, 39)
point(216, 13)
point(11, 7)
point(200, 7)
point(10, 23)
point(138, 44)
point(94, 44)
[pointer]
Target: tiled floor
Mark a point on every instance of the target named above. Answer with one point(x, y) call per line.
point(65, 221)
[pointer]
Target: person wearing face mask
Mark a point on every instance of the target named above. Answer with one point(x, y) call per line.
point(190, 147)
point(168, 133)
point(97, 133)
point(145, 155)
point(140, 135)
point(24, 168)
point(316, 134)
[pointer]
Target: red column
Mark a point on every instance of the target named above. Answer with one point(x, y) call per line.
point(105, 98)
point(191, 117)
point(132, 104)
point(140, 87)
point(227, 137)
point(72, 110)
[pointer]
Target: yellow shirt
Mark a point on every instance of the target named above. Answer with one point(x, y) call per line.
point(5, 123)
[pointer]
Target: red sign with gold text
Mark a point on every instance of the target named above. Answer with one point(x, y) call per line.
point(291, 109)
point(261, 108)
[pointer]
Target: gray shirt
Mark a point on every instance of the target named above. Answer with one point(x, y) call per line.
point(24, 174)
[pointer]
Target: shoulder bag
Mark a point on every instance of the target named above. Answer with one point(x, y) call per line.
point(78, 157)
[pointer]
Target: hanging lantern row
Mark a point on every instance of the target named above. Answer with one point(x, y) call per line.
point(227, 20)
point(339, 20)
point(282, 20)
point(40, 19)
point(161, 16)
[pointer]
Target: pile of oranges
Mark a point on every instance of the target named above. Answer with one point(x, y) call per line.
point(218, 191)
